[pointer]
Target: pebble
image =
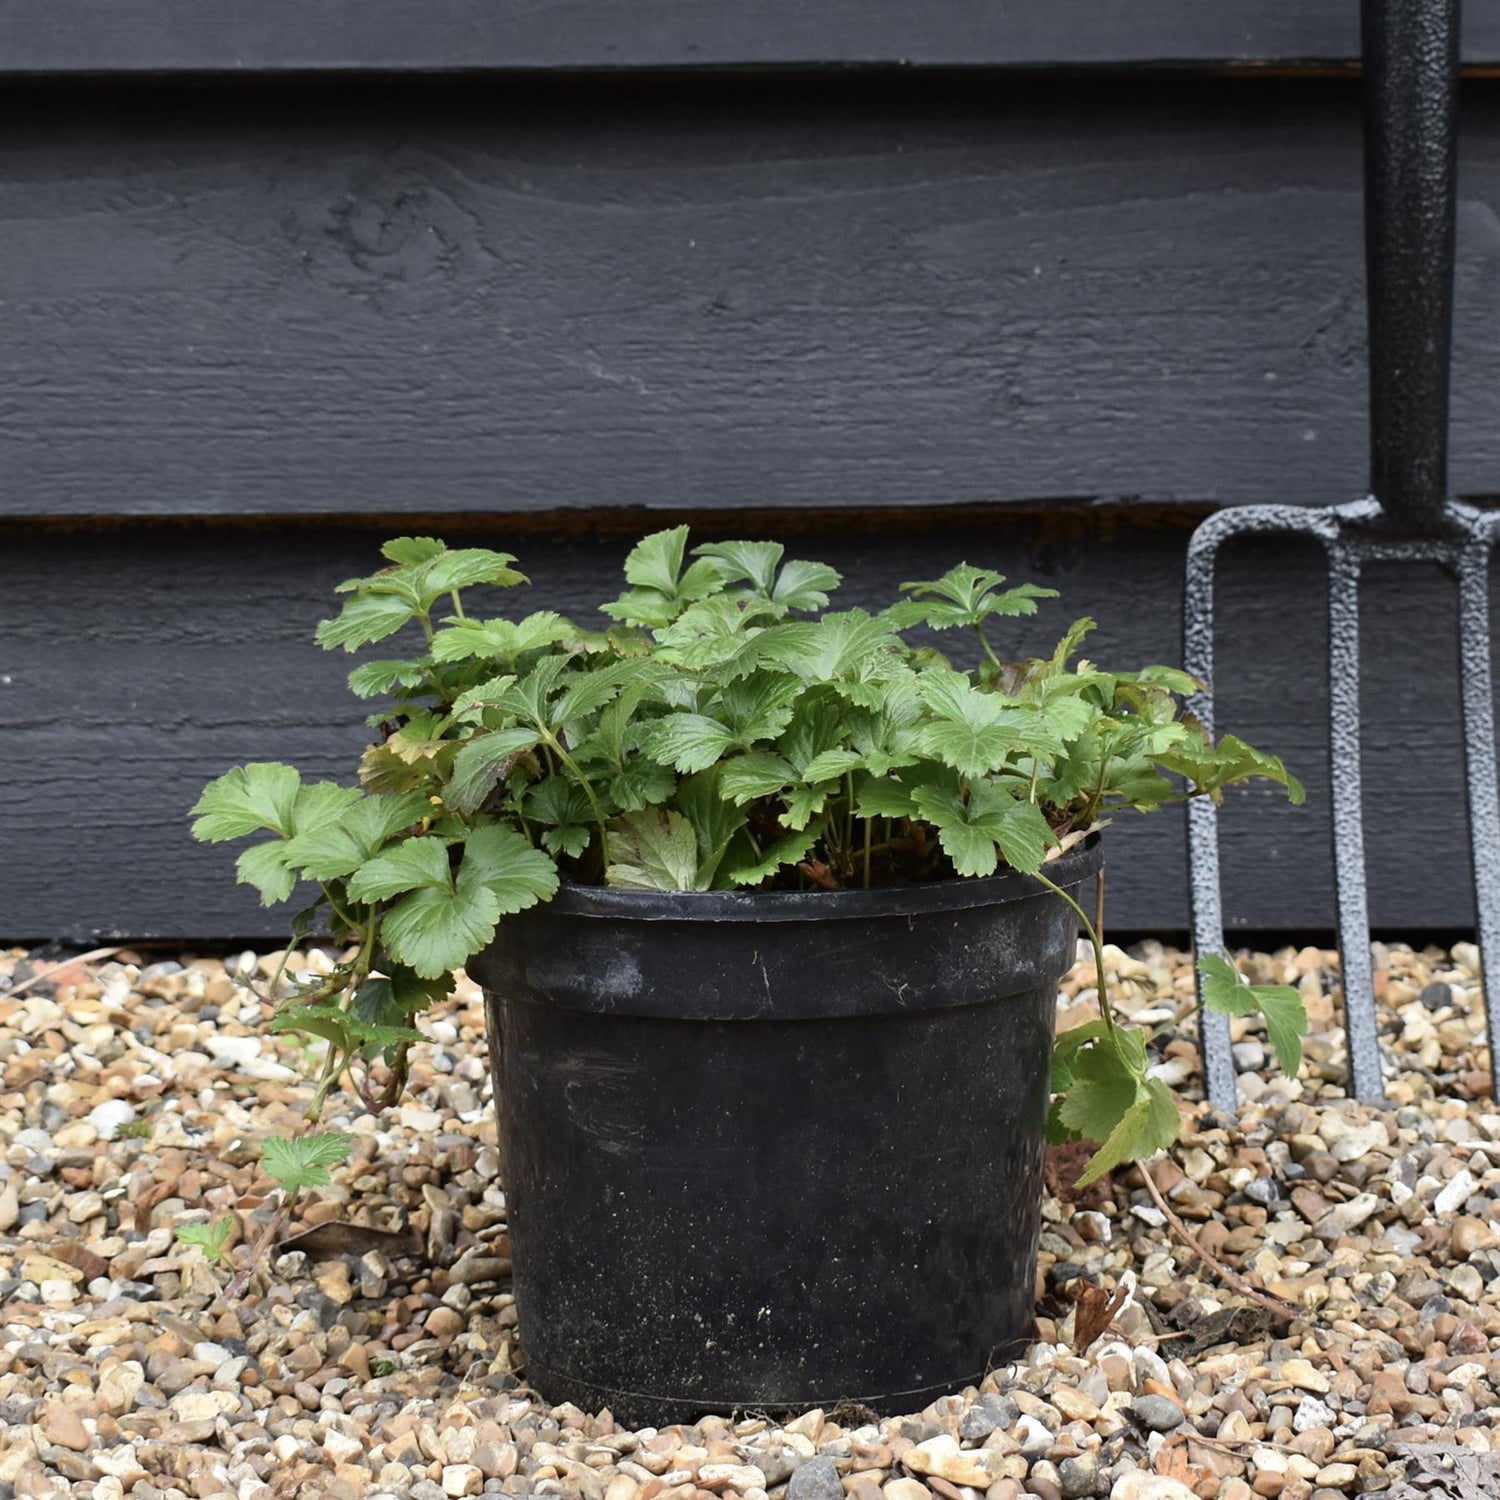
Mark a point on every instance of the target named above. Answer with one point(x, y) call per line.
point(1159, 1413)
point(345, 1375)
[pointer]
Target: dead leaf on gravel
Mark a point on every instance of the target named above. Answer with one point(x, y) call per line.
point(1095, 1311)
point(339, 1237)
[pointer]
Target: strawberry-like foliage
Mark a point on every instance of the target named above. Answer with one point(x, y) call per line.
point(723, 728)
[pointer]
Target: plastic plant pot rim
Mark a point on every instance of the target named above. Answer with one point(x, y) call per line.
point(959, 894)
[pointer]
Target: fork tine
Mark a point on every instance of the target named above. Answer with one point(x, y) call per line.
point(1479, 749)
point(1204, 889)
point(1348, 824)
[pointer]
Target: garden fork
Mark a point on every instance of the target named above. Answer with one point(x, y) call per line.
point(1410, 88)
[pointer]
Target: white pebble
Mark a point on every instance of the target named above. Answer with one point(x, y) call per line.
point(1456, 1194)
point(108, 1117)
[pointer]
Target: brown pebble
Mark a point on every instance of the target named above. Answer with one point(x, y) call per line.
point(445, 1323)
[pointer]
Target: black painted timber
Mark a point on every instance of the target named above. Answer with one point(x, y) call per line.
point(239, 37)
point(136, 662)
point(701, 297)
point(1042, 321)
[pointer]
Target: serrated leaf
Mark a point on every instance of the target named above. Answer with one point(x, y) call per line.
point(880, 797)
point(372, 679)
point(461, 566)
point(365, 618)
point(715, 821)
point(642, 783)
point(832, 764)
point(501, 861)
point(689, 742)
point(1225, 990)
point(255, 798)
point(330, 852)
point(745, 562)
point(789, 850)
point(655, 849)
point(758, 774)
point(265, 866)
point(411, 865)
point(805, 585)
point(970, 832)
point(209, 1238)
point(482, 763)
point(1150, 1125)
point(302, 1161)
point(412, 549)
point(1104, 1086)
point(435, 930)
point(655, 562)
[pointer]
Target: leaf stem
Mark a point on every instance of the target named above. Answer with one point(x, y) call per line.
point(1230, 1277)
point(1105, 1012)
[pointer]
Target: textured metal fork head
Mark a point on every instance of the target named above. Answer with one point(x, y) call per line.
point(1352, 536)
point(1410, 144)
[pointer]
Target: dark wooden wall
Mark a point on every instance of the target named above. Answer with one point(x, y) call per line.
point(1046, 307)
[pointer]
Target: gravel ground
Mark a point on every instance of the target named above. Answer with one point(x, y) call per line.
point(381, 1357)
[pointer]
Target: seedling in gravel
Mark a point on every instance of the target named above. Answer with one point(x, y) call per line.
point(724, 729)
point(212, 1239)
point(296, 1162)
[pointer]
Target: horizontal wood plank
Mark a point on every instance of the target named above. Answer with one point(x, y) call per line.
point(137, 663)
point(719, 298)
point(239, 37)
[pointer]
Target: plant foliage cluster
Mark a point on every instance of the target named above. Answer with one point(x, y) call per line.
point(726, 729)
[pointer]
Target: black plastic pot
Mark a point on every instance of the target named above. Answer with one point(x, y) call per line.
point(775, 1151)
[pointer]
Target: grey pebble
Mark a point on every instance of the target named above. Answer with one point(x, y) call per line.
point(1079, 1476)
point(817, 1479)
point(1157, 1413)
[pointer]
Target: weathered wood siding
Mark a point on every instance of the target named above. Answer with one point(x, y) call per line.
point(247, 331)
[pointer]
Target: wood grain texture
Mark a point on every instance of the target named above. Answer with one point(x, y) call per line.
point(236, 37)
point(805, 294)
point(137, 663)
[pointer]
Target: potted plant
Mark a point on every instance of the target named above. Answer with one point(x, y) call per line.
point(770, 904)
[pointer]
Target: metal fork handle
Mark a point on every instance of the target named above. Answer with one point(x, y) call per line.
point(1411, 61)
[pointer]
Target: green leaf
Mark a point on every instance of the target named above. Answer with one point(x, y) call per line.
point(1150, 1125)
point(758, 774)
point(653, 850)
point(1226, 991)
point(302, 1161)
point(1106, 1083)
point(642, 783)
point(363, 619)
point(266, 867)
point(413, 864)
point(715, 821)
point(249, 799)
point(412, 549)
point(966, 596)
point(970, 831)
point(372, 679)
point(499, 640)
point(805, 585)
point(209, 1238)
point(482, 763)
point(690, 742)
point(880, 797)
point(332, 851)
point(785, 851)
point(435, 930)
point(462, 566)
point(503, 863)
point(655, 562)
point(744, 562)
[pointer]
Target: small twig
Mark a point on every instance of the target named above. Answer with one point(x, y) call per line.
point(93, 956)
point(241, 1278)
point(1231, 1277)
